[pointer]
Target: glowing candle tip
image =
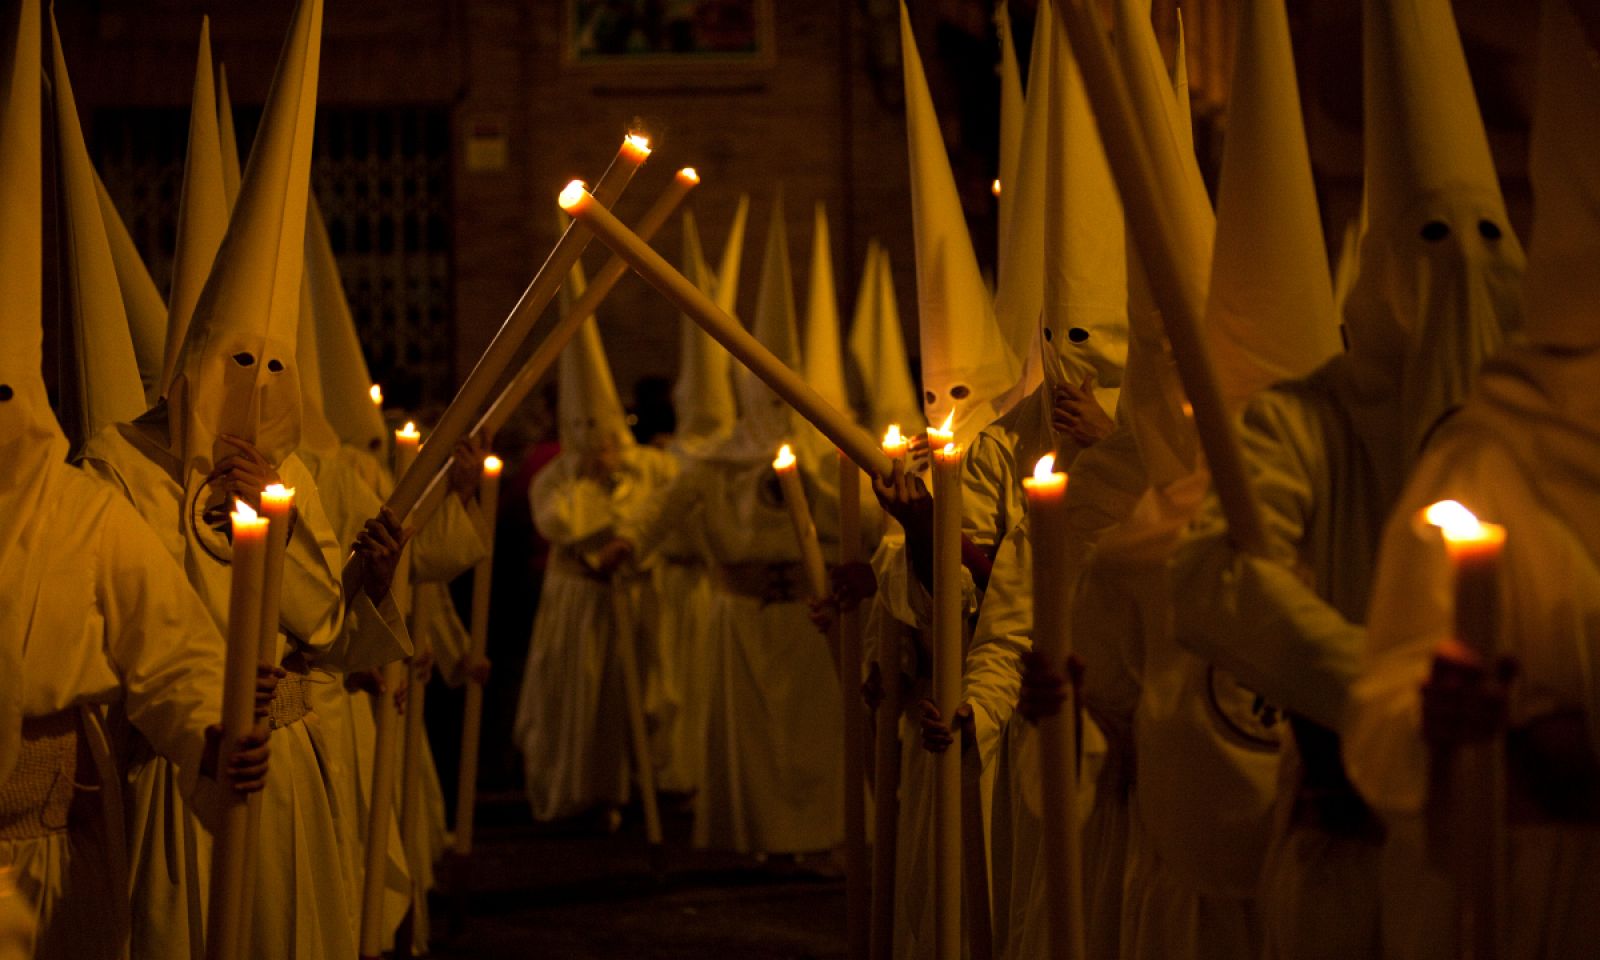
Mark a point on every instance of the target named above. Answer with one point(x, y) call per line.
point(995, 187)
point(785, 458)
point(492, 464)
point(243, 512)
point(1458, 524)
point(1045, 468)
point(572, 195)
point(638, 143)
point(892, 437)
point(689, 175)
point(376, 393)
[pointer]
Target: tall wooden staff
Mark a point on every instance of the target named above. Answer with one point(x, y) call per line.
point(856, 890)
point(886, 769)
point(633, 691)
point(385, 756)
point(230, 856)
point(472, 720)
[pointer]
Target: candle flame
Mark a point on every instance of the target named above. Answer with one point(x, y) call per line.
point(689, 174)
point(243, 512)
point(950, 449)
point(409, 431)
point(1454, 521)
point(492, 464)
point(943, 432)
point(278, 493)
point(892, 437)
point(785, 458)
point(639, 143)
point(994, 188)
point(376, 393)
point(572, 195)
point(1045, 468)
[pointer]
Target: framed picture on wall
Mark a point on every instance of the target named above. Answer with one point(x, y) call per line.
point(668, 33)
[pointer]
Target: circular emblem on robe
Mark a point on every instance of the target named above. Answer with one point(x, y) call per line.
point(1246, 717)
point(210, 524)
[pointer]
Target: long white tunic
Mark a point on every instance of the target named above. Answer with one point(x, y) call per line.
point(1525, 453)
point(115, 624)
point(301, 908)
point(572, 715)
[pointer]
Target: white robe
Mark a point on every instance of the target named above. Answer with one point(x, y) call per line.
point(1524, 453)
point(302, 908)
point(572, 715)
point(116, 624)
point(773, 776)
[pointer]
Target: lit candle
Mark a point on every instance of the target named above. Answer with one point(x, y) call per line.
point(894, 445)
point(407, 444)
point(472, 719)
point(948, 631)
point(943, 434)
point(376, 393)
point(231, 852)
point(1058, 761)
point(994, 187)
point(805, 531)
point(786, 383)
point(1474, 548)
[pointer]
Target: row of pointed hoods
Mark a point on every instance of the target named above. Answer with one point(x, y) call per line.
point(253, 261)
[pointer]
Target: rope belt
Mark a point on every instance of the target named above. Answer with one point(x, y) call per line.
point(767, 582)
point(290, 701)
point(53, 765)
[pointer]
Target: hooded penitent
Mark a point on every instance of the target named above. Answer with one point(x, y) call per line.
point(102, 372)
point(31, 443)
point(966, 366)
point(765, 420)
point(703, 393)
point(878, 347)
point(202, 211)
point(1437, 285)
point(146, 310)
point(345, 379)
point(236, 374)
point(821, 350)
point(588, 411)
point(1084, 324)
point(1269, 312)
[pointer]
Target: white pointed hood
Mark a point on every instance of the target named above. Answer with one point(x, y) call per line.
point(1561, 298)
point(824, 359)
point(703, 393)
point(227, 138)
point(1084, 325)
point(141, 300)
point(31, 443)
point(1019, 293)
point(765, 419)
point(1165, 119)
point(101, 373)
point(878, 347)
point(1440, 270)
point(589, 412)
point(346, 381)
point(732, 262)
point(1269, 313)
point(1012, 108)
point(966, 366)
point(202, 210)
point(316, 433)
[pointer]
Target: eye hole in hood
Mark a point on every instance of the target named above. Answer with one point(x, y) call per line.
point(244, 358)
point(6, 393)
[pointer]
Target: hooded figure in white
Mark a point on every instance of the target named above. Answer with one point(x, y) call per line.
point(1523, 452)
point(230, 423)
point(1434, 293)
point(96, 615)
point(679, 689)
point(572, 716)
point(772, 780)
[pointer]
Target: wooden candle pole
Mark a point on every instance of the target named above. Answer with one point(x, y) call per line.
point(475, 391)
point(948, 623)
point(1177, 281)
point(556, 340)
point(1058, 759)
point(277, 505)
point(856, 891)
point(1469, 805)
point(834, 423)
point(638, 733)
point(886, 770)
point(472, 720)
point(385, 756)
point(411, 752)
point(229, 865)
